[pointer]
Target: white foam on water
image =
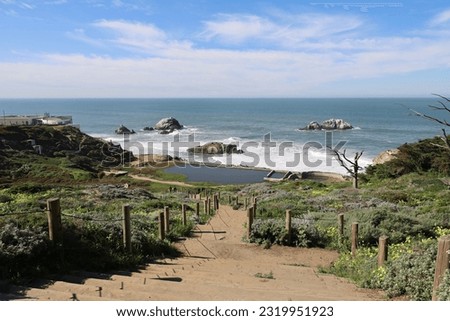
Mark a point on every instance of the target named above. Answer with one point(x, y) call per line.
point(290, 156)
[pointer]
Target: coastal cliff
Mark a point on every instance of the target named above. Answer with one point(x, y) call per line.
point(33, 150)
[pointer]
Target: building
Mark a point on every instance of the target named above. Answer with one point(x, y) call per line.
point(18, 120)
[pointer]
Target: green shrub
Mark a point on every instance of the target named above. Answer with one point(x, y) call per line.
point(443, 292)
point(361, 268)
point(423, 156)
point(273, 231)
point(23, 252)
point(412, 274)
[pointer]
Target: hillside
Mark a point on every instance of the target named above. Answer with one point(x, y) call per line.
point(55, 153)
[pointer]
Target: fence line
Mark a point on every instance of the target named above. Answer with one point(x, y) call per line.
point(22, 213)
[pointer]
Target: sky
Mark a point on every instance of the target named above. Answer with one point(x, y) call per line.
point(223, 48)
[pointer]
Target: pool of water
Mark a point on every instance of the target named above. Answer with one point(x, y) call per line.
point(221, 175)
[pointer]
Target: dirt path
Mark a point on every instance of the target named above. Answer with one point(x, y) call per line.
point(216, 266)
point(148, 179)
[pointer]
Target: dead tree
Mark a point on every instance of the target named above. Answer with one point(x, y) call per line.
point(351, 166)
point(442, 107)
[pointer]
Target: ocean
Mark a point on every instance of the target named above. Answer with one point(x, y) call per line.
point(266, 129)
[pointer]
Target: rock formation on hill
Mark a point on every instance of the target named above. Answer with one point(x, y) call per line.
point(330, 124)
point(215, 148)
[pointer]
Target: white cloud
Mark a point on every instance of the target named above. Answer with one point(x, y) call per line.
point(441, 18)
point(139, 36)
point(289, 31)
point(310, 53)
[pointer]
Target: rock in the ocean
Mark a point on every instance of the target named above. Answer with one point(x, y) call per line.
point(330, 124)
point(148, 129)
point(124, 130)
point(313, 126)
point(215, 148)
point(168, 124)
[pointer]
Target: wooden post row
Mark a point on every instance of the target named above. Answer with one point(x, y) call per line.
point(289, 226)
point(183, 213)
point(442, 263)
point(54, 220)
point(166, 219)
point(249, 222)
point(382, 250)
point(162, 228)
point(197, 210)
point(341, 224)
point(126, 210)
point(354, 238)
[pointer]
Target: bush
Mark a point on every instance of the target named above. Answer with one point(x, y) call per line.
point(412, 274)
point(443, 292)
point(361, 268)
point(23, 252)
point(273, 231)
point(423, 156)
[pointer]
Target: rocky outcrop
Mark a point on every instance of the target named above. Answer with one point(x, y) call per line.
point(78, 149)
point(215, 148)
point(330, 124)
point(124, 130)
point(385, 156)
point(168, 125)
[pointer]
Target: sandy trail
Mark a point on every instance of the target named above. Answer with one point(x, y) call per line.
point(217, 266)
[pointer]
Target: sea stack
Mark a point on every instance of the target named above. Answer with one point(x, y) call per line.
point(215, 148)
point(330, 124)
point(168, 125)
point(124, 130)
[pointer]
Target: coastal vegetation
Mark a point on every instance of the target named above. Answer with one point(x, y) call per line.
point(405, 199)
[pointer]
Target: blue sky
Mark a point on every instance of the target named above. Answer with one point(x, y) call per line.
point(171, 48)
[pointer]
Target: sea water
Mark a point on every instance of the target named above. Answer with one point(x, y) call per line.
point(266, 129)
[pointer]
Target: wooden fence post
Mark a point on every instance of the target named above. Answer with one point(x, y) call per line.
point(255, 205)
point(354, 238)
point(197, 210)
point(245, 203)
point(54, 220)
point(217, 201)
point(229, 199)
point(442, 263)
point(183, 213)
point(162, 228)
point(382, 250)
point(249, 222)
point(166, 219)
point(126, 210)
point(341, 225)
point(289, 226)
point(209, 205)
point(237, 200)
point(205, 203)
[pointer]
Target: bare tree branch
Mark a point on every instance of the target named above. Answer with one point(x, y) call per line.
point(443, 107)
point(442, 97)
point(345, 162)
point(442, 122)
